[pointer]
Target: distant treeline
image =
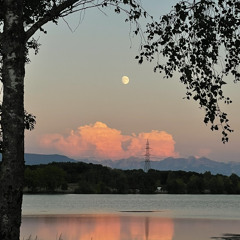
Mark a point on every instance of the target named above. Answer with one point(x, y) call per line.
point(97, 179)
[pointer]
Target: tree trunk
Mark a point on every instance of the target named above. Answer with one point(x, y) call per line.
point(12, 121)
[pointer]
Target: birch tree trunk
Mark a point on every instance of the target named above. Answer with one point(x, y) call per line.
point(12, 168)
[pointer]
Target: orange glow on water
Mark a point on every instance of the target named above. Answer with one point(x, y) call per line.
point(102, 142)
point(99, 227)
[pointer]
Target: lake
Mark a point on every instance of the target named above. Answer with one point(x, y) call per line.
point(129, 217)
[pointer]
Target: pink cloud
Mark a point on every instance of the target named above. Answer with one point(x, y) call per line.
point(102, 142)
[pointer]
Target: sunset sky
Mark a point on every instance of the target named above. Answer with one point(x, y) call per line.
point(74, 87)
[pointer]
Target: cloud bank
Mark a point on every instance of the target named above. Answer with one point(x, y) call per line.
point(102, 142)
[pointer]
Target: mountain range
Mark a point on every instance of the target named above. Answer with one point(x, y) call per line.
point(192, 164)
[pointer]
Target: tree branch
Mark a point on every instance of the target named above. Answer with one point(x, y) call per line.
point(52, 14)
point(71, 6)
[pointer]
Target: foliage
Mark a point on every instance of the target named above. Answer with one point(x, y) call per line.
point(200, 40)
point(92, 178)
point(46, 178)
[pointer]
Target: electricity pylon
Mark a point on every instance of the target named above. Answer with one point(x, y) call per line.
point(147, 158)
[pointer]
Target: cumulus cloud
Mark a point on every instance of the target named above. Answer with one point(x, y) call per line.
point(102, 142)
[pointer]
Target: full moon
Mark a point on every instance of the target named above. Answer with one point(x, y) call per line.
point(125, 80)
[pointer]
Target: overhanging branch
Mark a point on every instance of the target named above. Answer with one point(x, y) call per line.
point(51, 15)
point(70, 6)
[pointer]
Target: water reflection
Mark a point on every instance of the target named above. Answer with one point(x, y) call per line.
point(98, 227)
point(126, 227)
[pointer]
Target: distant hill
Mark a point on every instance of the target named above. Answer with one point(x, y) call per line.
point(36, 159)
point(199, 165)
point(192, 164)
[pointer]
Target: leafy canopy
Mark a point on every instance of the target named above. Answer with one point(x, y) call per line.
point(200, 40)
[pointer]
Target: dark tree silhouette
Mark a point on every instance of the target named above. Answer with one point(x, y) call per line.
point(200, 39)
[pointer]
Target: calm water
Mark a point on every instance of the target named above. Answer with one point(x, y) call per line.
point(130, 217)
point(176, 206)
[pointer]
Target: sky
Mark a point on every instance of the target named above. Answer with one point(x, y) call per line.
point(74, 88)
